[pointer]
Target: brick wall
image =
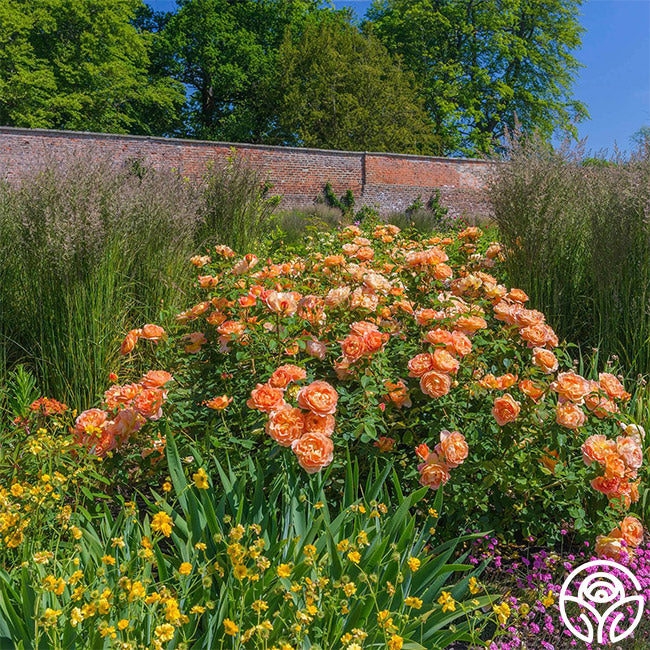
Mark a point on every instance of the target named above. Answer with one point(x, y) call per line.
point(387, 181)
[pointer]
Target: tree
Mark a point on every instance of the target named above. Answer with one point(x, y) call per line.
point(80, 64)
point(340, 89)
point(225, 53)
point(483, 64)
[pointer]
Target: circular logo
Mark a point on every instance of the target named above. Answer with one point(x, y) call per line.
point(602, 601)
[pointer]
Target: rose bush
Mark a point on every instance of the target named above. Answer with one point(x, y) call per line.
point(376, 341)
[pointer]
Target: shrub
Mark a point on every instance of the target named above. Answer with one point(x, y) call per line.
point(86, 248)
point(391, 342)
point(578, 241)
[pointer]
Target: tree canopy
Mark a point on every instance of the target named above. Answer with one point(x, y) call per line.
point(482, 65)
point(81, 64)
point(431, 76)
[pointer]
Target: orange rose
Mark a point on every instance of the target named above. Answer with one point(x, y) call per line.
point(126, 422)
point(323, 424)
point(90, 421)
point(153, 333)
point(609, 486)
point(424, 316)
point(385, 444)
point(470, 324)
point(149, 403)
point(612, 386)
point(630, 530)
point(219, 403)
point(452, 448)
point(529, 388)
point(505, 381)
point(528, 317)
point(194, 341)
point(285, 425)
point(265, 397)
point(539, 335)
point(545, 360)
point(630, 450)
point(610, 547)
point(570, 415)
point(155, 379)
point(285, 374)
point(442, 361)
point(596, 449)
point(398, 394)
point(353, 347)
point(337, 296)
point(319, 397)
point(315, 348)
point(129, 342)
point(505, 409)
point(285, 304)
point(433, 474)
point(460, 344)
point(439, 337)
point(435, 384)
point(231, 329)
point(517, 295)
point(420, 364)
point(442, 271)
point(571, 386)
point(314, 451)
point(506, 312)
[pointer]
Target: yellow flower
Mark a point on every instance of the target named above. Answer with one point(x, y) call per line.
point(413, 602)
point(117, 541)
point(76, 616)
point(414, 564)
point(200, 479)
point(309, 550)
point(259, 606)
point(502, 611)
point(76, 533)
point(354, 557)
point(162, 523)
point(107, 630)
point(185, 569)
point(395, 642)
point(17, 490)
point(362, 538)
point(284, 571)
point(524, 609)
point(108, 559)
point(447, 602)
point(137, 590)
point(200, 546)
point(123, 624)
point(51, 616)
point(240, 571)
point(164, 632)
point(473, 585)
point(197, 609)
point(350, 589)
point(549, 599)
point(343, 545)
point(230, 627)
point(167, 486)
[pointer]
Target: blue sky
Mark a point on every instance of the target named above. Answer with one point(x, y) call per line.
point(615, 80)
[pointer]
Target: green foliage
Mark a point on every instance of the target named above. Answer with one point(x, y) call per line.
point(579, 244)
point(481, 66)
point(81, 65)
point(339, 89)
point(345, 204)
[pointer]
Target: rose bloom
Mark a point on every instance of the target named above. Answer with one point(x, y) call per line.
point(319, 397)
point(377, 282)
point(323, 424)
point(334, 260)
point(630, 451)
point(90, 419)
point(265, 397)
point(284, 375)
point(420, 364)
point(125, 423)
point(285, 304)
point(149, 403)
point(219, 403)
point(360, 299)
point(570, 415)
point(609, 486)
point(155, 379)
point(442, 271)
point(435, 384)
point(337, 296)
point(460, 344)
point(596, 449)
point(398, 394)
point(424, 316)
point(442, 361)
point(385, 444)
point(247, 300)
point(539, 335)
point(545, 360)
point(528, 317)
point(433, 474)
point(452, 447)
point(529, 388)
point(517, 295)
point(470, 324)
point(200, 260)
point(215, 318)
point(505, 409)
point(311, 308)
point(285, 425)
point(504, 382)
point(315, 348)
point(314, 451)
point(118, 396)
point(439, 337)
point(601, 407)
point(200, 309)
point(129, 342)
point(231, 329)
point(610, 547)
point(631, 530)
point(207, 281)
point(353, 347)
point(152, 332)
point(612, 386)
point(506, 312)
point(571, 386)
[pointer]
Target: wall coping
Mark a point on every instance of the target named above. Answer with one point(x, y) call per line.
point(13, 130)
